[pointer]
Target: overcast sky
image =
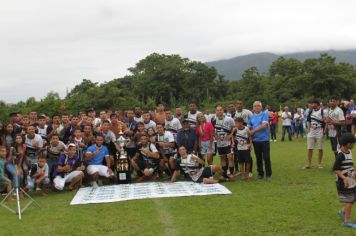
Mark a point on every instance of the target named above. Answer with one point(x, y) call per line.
point(52, 45)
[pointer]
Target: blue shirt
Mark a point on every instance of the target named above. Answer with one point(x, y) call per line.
point(98, 159)
point(257, 120)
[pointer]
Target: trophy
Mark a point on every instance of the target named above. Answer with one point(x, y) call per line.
point(123, 172)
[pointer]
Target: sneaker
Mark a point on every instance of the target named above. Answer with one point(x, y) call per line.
point(341, 214)
point(94, 184)
point(270, 140)
point(275, 140)
point(349, 225)
point(38, 189)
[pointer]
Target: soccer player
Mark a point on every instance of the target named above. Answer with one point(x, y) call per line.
point(191, 165)
point(223, 133)
point(242, 147)
point(346, 178)
point(166, 145)
point(146, 162)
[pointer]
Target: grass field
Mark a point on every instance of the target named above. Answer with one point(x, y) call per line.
point(295, 202)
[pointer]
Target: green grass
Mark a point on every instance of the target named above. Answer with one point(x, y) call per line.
point(295, 202)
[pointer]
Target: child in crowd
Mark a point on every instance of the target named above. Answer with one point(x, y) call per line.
point(346, 178)
point(242, 147)
point(39, 176)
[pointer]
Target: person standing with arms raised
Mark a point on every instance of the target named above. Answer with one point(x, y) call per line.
point(258, 125)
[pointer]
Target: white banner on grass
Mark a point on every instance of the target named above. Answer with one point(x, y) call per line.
point(124, 192)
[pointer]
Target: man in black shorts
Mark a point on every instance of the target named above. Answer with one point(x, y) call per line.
point(223, 132)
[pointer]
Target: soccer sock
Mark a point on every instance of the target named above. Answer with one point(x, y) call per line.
point(224, 171)
point(231, 170)
point(167, 172)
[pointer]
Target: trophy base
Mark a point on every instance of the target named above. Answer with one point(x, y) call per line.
point(123, 177)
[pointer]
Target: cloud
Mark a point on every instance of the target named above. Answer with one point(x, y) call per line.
point(53, 45)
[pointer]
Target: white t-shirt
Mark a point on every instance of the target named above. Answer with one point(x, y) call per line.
point(31, 143)
point(286, 118)
point(167, 137)
point(150, 124)
point(334, 114)
point(138, 119)
point(316, 129)
point(173, 126)
point(244, 114)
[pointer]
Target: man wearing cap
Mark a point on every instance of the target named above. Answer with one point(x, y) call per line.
point(69, 170)
point(95, 156)
point(187, 137)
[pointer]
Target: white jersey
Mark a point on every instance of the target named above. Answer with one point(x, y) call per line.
point(223, 128)
point(192, 118)
point(191, 167)
point(244, 114)
point(173, 126)
point(316, 124)
point(241, 137)
point(167, 137)
point(335, 114)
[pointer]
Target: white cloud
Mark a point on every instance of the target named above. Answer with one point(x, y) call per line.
point(53, 45)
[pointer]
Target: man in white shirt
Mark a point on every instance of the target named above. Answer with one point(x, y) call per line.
point(315, 128)
point(148, 123)
point(334, 119)
point(286, 123)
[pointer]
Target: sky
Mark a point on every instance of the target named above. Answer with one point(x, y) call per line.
point(50, 45)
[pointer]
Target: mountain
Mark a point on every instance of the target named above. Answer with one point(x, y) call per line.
point(233, 68)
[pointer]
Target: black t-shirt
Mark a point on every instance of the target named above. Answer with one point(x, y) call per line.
point(344, 163)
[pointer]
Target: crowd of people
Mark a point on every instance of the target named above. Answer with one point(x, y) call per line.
point(69, 151)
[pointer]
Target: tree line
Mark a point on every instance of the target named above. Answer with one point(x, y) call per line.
point(176, 80)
